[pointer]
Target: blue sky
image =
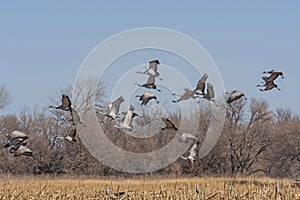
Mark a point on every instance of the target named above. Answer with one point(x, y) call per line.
point(44, 44)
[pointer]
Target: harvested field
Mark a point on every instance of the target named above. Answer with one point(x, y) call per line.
point(209, 188)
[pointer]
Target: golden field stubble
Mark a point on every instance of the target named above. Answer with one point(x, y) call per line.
point(156, 188)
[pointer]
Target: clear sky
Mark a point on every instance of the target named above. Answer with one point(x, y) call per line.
point(44, 43)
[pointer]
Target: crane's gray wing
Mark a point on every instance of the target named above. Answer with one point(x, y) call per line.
point(116, 104)
point(273, 76)
point(15, 142)
point(210, 91)
point(128, 118)
point(201, 84)
point(18, 134)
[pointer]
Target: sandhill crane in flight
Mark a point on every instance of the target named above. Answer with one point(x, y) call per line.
point(269, 81)
point(235, 95)
point(17, 142)
point(21, 150)
point(200, 88)
point(16, 138)
point(113, 108)
point(192, 154)
point(169, 124)
point(71, 136)
point(274, 74)
point(187, 136)
point(268, 86)
point(67, 106)
point(152, 69)
point(117, 195)
point(188, 94)
point(127, 122)
point(146, 97)
point(65, 103)
point(150, 83)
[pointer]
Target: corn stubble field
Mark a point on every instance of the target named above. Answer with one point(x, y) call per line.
point(209, 188)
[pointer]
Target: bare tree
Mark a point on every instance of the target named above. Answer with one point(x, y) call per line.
point(5, 98)
point(246, 135)
point(284, 156)
point(86, 93)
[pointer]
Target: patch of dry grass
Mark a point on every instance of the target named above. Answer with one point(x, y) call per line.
point(84, 188)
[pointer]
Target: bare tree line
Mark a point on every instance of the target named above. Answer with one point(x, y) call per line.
point(254, 141)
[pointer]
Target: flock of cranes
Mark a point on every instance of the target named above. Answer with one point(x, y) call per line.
point(203, 90)
point(17, 143)
point(17, 140)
